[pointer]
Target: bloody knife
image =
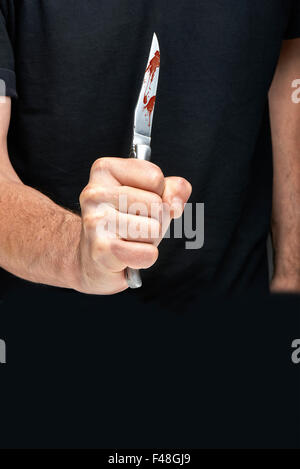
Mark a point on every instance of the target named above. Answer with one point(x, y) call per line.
point(143, 118)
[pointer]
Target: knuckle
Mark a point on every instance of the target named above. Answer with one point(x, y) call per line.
point(98, 194)
point(156, 200)
point(119, 195)
point(183, 187)
point(89, 221)
point(155, 176)
point(100, 164)
point(94, 194)
point(83, 196)
point(113, 246)
point(181, 184)
point(99, 247)
point(155, 206)
point(88, 194)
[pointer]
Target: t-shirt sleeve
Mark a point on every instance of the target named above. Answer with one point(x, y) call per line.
point(293, 27)
point(7, 68)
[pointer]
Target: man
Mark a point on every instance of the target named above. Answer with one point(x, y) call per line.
point(88, 367)
point(74, 70)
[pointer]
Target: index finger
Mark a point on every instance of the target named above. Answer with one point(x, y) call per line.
point(128, 172)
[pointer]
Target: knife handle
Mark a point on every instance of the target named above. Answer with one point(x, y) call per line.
point(141, 152)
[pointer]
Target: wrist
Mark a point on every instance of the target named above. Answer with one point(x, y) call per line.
point(71, 267)
point(285, 284)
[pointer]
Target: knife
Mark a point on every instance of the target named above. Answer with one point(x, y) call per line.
point(143, 118)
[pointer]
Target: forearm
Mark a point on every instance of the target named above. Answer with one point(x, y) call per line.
point(286, 235)
point(286, 209)
point(285, 123)
point(38, 239)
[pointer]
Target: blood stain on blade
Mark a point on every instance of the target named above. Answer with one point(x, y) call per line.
point(149, 108)
point(153, 65)
point(151, 69)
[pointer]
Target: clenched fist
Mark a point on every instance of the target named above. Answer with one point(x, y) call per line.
point(126, 208)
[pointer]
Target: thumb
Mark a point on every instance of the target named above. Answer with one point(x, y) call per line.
point(176, 193)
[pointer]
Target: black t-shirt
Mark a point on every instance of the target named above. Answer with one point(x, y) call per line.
point(75, 69)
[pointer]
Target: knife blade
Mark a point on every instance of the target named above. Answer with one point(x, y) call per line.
point(143, 118)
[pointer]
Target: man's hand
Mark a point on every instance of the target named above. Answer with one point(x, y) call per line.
point(126, 208)
point(44, 243)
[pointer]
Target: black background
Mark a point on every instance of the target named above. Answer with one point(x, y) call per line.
point(217, 377)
